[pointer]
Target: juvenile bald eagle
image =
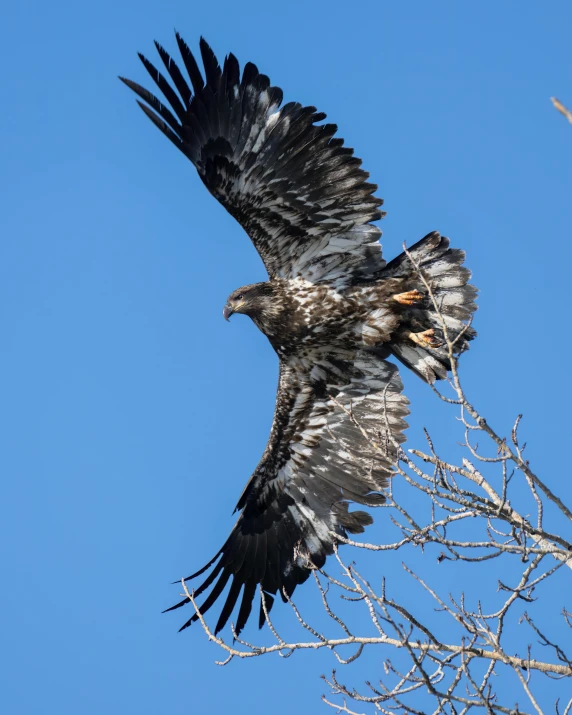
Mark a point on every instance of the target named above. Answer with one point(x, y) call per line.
point(332, 309)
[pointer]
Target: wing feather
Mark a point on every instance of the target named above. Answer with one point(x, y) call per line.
point(212, 68)
point(165, 87)
point(245, 605)
point(165, 114)
point(175, 74)
point(190, 64)
point(159, 123)
point(229, 604)
point(316, 462)
point(291, 184)
point(211, 598)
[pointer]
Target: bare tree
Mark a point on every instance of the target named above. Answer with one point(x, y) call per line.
point(492, 643)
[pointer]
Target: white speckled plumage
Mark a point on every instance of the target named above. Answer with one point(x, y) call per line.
point(328, 309)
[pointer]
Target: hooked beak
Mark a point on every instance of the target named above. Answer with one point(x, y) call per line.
point(227, 311)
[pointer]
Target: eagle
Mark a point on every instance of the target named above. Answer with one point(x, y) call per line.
point(332, 308)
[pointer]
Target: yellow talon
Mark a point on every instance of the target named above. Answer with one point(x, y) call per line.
point(426, 339)
point(409, 298)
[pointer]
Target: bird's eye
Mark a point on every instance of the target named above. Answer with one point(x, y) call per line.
point(239, 296)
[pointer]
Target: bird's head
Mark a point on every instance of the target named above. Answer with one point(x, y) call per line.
point(255, 300)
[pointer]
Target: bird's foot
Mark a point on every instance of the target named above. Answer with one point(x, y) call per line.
point(426, 339)
point(410, 297)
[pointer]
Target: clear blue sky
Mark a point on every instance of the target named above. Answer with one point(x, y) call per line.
point(131, 413)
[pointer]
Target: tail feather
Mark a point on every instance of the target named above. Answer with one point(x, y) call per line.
point(442, 268)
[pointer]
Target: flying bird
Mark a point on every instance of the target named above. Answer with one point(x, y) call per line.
point(332, 308)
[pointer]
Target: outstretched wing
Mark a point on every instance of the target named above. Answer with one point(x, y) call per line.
point(301, 196)
point(318, 459)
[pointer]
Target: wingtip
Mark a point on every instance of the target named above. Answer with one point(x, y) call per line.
point(127, 82)
point(186, 625)
point(177, 605)
point(204, 45)
point(180, 39)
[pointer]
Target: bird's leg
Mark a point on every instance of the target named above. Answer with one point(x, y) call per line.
point(410, 297)
point(426, 339)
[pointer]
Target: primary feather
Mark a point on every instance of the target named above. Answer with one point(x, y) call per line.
point(274, 168)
